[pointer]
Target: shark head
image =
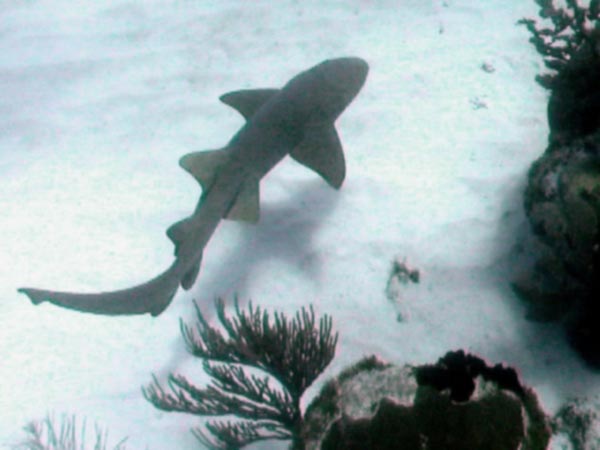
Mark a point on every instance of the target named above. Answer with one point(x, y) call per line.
point(351, 72)
point(339, 81)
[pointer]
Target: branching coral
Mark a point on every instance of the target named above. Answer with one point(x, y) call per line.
point(575, 29)
point(291, 352)
point(571, 50)
point(46, 435)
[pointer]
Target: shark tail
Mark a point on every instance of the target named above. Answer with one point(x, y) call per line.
point(151, 297)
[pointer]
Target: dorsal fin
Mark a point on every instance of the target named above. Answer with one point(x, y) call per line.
point(203, 166)
point(321, 151)
point(246, 206)
point(248, 101)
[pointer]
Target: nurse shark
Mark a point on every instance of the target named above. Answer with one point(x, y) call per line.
point(297, 119)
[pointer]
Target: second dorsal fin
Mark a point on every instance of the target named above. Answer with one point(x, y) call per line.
point(248, 101)
point(246, 205)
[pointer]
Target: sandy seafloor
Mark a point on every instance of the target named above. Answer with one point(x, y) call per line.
point(99, 100)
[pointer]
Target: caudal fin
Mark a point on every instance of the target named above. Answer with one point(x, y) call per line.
point(151, 297)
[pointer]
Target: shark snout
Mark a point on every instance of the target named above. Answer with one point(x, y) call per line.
point(342, 80)
point(358, 70)
point(345, 77)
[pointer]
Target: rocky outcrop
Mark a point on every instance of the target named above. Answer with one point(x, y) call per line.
point(562, 199)
point(562, 202)
point(458, 403)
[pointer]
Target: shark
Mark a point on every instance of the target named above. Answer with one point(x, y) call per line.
point(297, 120)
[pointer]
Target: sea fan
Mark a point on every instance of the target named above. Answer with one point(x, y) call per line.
point(289, 354)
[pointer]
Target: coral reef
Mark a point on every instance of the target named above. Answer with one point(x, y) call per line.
point(574, 29)
point(579, 422)
point(571, 50)
point(457, 373)
point(562, 203)
point(458, 403)
point(562, 199)
point(291, 354)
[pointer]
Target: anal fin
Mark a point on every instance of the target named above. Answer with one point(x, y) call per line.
point(190, 276)
point(321, 151)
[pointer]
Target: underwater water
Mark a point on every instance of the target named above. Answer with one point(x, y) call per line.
point(99, 101)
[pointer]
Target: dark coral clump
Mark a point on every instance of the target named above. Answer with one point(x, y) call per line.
point(457, 372)
point(459, 403)
point(562, 203)
point(575, 31)
point(562, 199)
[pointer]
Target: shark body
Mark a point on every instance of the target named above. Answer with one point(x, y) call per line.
point(297, 119)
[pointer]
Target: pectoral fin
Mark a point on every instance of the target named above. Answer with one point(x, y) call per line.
point(248, 101)
point(204, 166)
point(322, 152)
point(246, 205)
